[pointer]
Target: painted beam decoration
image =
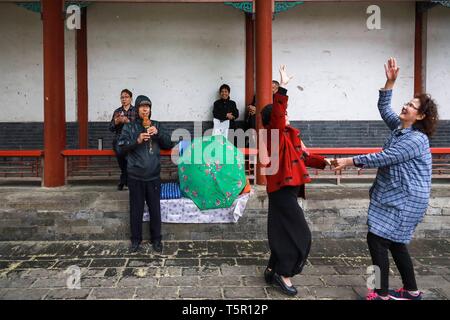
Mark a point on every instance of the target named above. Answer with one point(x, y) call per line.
point(280, 6)
point(36, 6)
point(445, 3)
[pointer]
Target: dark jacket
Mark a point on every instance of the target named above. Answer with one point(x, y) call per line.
point(222, 107)
point(143, 165)
point(250, 120)
point(131, 114)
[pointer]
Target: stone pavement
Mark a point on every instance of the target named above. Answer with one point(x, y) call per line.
point(202, 270)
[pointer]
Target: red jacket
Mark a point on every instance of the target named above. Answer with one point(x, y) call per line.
point(292, 159)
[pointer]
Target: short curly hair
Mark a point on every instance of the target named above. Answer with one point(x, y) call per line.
point(428, 107)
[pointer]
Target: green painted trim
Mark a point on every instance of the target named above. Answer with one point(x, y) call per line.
point(445, 3)
point(36, 6)
point(285, 6)
point(247, 7)
point(243, 6)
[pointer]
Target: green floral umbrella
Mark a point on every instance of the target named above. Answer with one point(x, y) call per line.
point(211, 172)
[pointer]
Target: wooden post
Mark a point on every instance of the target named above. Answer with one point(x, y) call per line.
point(263, 36)
point(420, 49)
point(54, 92)
point(249, 59)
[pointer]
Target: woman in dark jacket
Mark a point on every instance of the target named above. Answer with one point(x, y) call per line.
point(288, 232)
point(225, 108)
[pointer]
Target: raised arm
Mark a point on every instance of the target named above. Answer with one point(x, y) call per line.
point(278, 115)
point(385, 96)
point(280, 100)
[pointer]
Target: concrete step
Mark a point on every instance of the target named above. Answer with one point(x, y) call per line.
point(99, 212)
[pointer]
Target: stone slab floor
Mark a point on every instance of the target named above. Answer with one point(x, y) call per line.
point(336, 269)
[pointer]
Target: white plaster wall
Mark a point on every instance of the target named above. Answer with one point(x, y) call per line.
point(338, 62)
point(438, 56)
point(21, 66)
point(21, 61)
point(178, 55)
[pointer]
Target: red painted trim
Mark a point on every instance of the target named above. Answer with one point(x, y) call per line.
point(87, 152)
point(246, 151)
point(21, 153)
point(95, 152)
point(348, 151)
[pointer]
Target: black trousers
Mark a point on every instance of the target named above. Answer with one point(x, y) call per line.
point(122, 161)
point(288, 233)
point(378, 248)
point(142, 192)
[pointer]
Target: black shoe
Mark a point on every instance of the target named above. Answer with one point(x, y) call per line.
point(157, 246)
point(120, 186)
point(291, 291)
point(268, 276)
point(135, 247)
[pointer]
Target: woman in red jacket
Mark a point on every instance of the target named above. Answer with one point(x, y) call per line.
point(288, 232)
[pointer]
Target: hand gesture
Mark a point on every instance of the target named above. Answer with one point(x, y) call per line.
point(230, 116)
point(116, 118)
point(251, 110)
point(152, 131)
point(284, 78)
point(330, 162)
point(341, 163)
point(144, 136)
point(392, 69)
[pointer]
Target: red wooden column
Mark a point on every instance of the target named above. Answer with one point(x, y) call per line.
point(263, 36)
point(82, 82)
point(420, 49)
point(249, 59)
point(54, 92)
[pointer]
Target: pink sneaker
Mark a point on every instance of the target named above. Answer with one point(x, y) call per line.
point(372, 295)
point(402, 294)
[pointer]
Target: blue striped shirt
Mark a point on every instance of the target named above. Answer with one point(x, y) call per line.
point(401, 191)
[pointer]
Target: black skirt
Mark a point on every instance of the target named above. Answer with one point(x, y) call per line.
point(288, 233)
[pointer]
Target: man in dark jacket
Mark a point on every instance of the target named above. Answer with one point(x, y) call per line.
point(224, 108)
point(142, 140)
point(250, 118)
point(126, 113)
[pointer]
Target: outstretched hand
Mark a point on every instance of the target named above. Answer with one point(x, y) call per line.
point(331, 162)
point(341, 163)
point(284, 78)
point(392, 69)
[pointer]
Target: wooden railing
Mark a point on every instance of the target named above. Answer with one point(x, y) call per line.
point(101, 164)
point(21, 164)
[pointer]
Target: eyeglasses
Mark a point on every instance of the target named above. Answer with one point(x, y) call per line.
point(411, 105)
